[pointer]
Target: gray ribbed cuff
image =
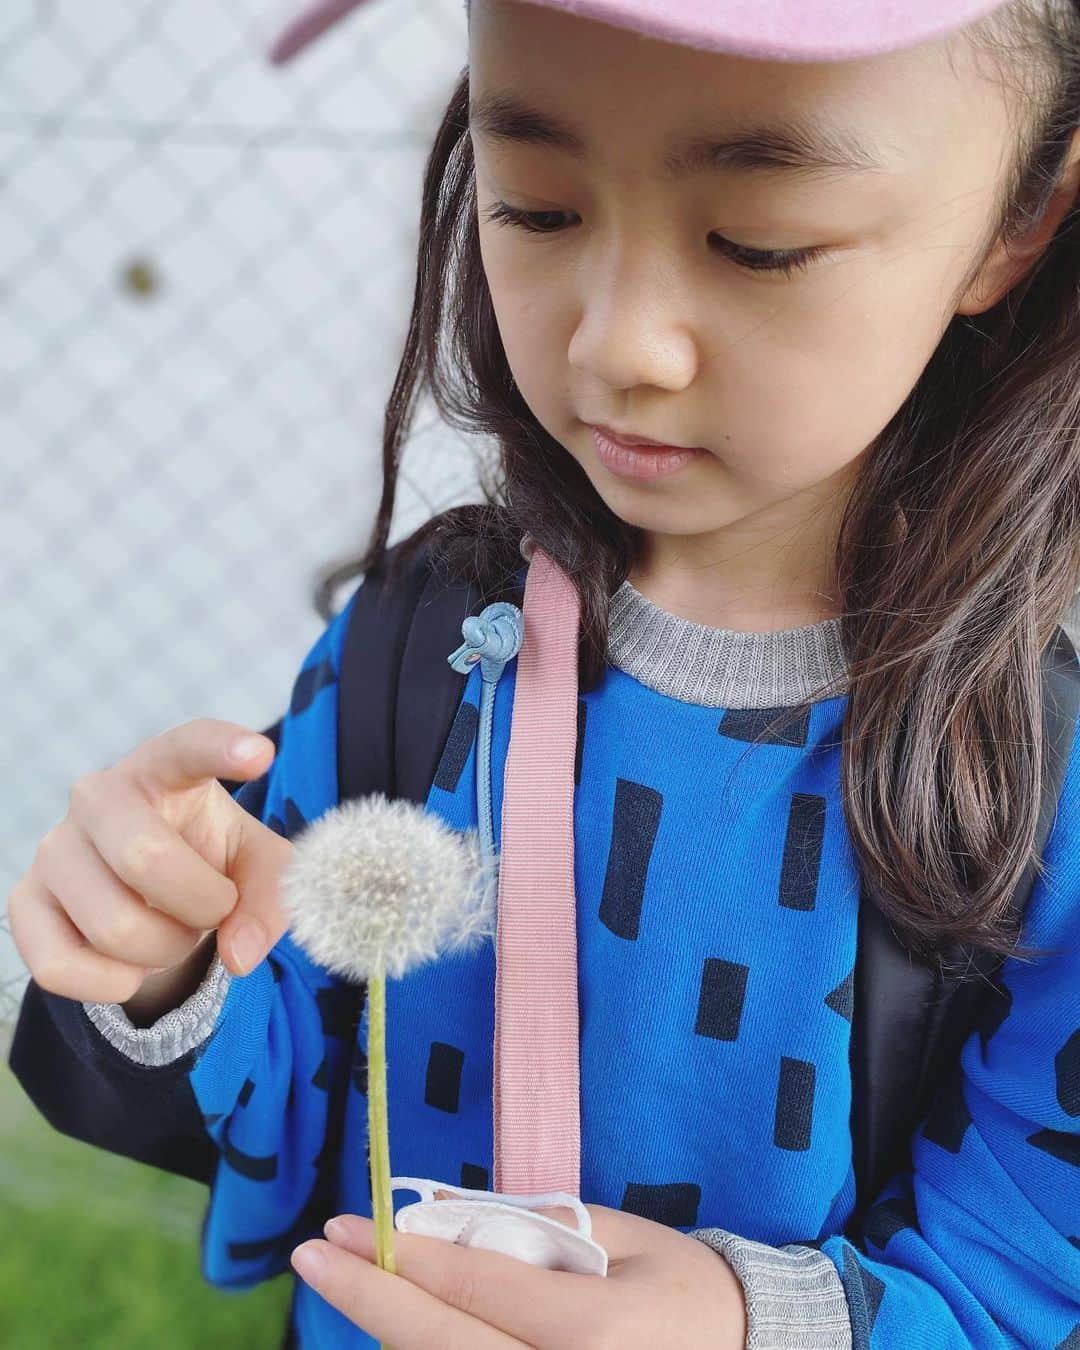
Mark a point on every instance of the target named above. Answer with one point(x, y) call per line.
point(175, 1032)
point(794, 1297)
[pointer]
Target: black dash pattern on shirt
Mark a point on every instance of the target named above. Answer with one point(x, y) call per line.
point(721, 998)
point(293, 822)
point(635, 820)
point(864, 1294)
point(442, 1087)
point(321, 1077)
point(1067, 1066)
point(254, 1166)
point(337, 1009)
point(474, 1177)
point(308, 683)
point(276, 1247)
point(1064, 1147)
point(949, 1117)
point(674, 1204)
point(842, 999)
point(802, 851)
point(887, 1218)
point(794, 1104)
point(753, 725)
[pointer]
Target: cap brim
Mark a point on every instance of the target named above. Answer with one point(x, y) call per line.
point(778, 30)
point(785, 30)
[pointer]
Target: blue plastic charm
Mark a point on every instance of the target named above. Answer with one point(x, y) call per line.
point(492, 637)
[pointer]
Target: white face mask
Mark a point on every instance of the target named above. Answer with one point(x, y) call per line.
point(503, 1223)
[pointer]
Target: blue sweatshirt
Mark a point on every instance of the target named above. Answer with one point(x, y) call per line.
point(717, 903)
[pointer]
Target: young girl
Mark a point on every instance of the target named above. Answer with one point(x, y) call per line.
point(824, 262)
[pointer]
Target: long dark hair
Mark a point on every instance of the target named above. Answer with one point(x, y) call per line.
point(957, 556)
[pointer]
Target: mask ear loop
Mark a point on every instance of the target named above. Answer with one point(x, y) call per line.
point(555, 1199)
point(510, 1224)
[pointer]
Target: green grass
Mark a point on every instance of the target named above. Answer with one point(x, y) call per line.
point(102, 1253)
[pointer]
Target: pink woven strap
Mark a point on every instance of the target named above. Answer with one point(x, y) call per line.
point(537, 1123)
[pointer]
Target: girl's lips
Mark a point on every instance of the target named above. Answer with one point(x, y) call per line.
point(636, 442)
point(641, 461)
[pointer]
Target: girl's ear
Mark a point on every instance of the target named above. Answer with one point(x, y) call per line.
point(1010, 261)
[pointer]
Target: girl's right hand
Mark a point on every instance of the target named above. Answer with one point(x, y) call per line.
point(152, 855)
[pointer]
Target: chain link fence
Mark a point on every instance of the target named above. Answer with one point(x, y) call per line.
point(208, 265)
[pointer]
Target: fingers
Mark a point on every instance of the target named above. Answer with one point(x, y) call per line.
point(538, 1307)
point(258, 920)
point(109, 915)
point(56, 955)
point(195, 752)
point(392, 1309)
point(147, 854)
point(142, 866)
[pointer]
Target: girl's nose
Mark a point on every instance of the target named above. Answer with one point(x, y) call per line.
point(633, 329)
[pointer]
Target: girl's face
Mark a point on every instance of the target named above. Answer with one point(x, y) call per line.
point(639, 307)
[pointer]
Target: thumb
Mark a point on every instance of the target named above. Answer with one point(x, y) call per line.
point(258, 920)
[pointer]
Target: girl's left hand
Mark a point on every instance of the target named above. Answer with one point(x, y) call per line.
point(662, 1289)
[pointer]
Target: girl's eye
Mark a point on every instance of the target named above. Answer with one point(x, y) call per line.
point(525, 220)
point(769, 260)
point(753, 259)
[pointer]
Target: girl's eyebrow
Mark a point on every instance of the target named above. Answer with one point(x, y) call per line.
point(811, 146)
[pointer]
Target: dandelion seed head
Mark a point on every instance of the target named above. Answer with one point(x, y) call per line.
point(381, 884)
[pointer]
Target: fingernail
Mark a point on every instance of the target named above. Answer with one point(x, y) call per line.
point(247, 747)
point(247, 945)
point(337, 1230)
point(309, 1260)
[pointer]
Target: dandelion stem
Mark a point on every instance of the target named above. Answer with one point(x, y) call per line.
point(378, 1124)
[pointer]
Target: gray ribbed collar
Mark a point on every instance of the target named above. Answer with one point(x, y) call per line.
point(722, 667)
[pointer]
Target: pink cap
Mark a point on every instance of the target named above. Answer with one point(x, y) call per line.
point(777, 30)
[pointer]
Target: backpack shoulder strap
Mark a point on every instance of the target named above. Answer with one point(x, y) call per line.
point(398, 693)
point(908, 1025)
point(430, 690)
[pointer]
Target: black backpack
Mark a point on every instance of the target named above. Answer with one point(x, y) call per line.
point(397, 701)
